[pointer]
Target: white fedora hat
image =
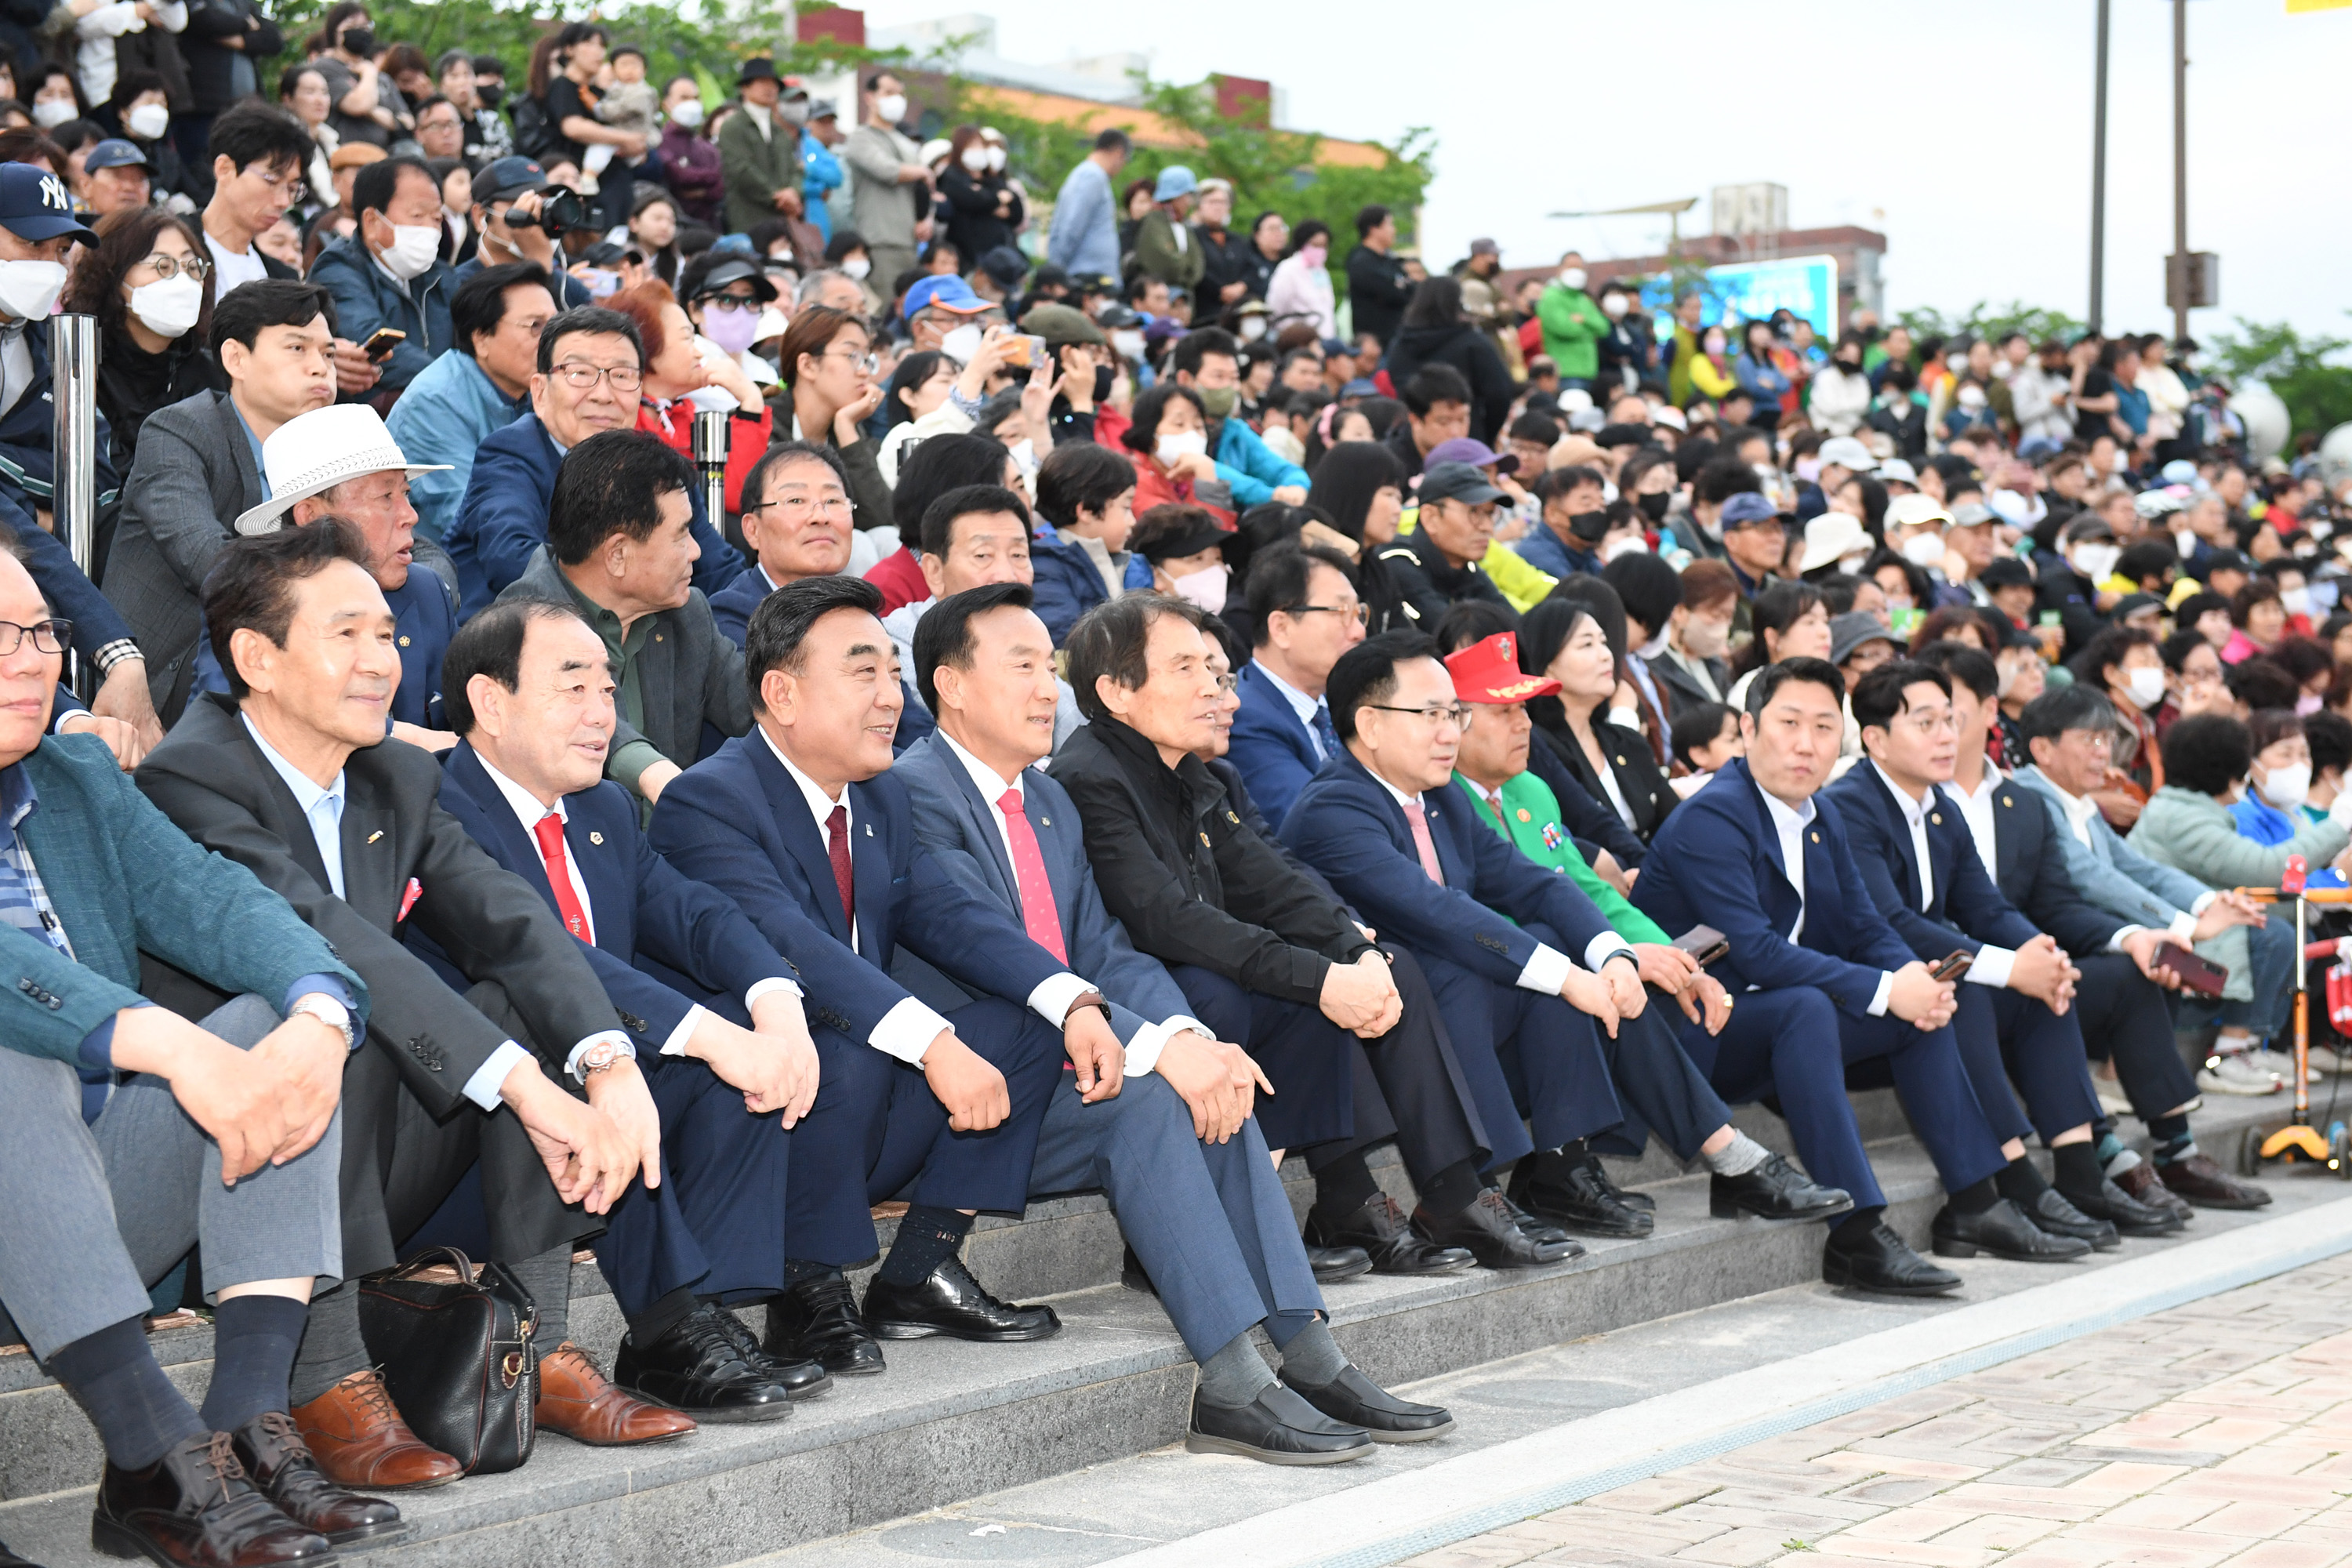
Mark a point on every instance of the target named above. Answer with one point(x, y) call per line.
point(1833, 536)
point(319, 450)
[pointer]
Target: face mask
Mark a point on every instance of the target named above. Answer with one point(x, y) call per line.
point(359, 40)
point(170, 308)
point(1572, 277)
point(1852, 565)
point(1205, 588)
point(2095, 561)
point(2295, 600)
point(1181, 444)
point(490, 95)
point(730, 329)
point(793, 110)
point(1971, 397)
point(996, 159)
point(1219, 400)
point(1106, 378)
point(1809, 469)
point(1706, 639)
point(1253, 328)
point(1654, 505)
point(2146, 687)
point(148, 121)
point(1924, 549)
point(892, 109)
point(961, 344)
point(1314, 257)
point(1898, 602)
point(1129, 344)
point(50, 113)
point(1713, 345)
point(2289, 785)
point(975, 158)
point(1589, 526)
point(1612, 305)
point(30, 289)
point(1024, 454)
point(414, 247)
point(857, 267)
point(2185, 540)
point(1633, 544)
point(688, 113)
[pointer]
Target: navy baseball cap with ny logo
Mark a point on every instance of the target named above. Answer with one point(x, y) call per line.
point(34, 204)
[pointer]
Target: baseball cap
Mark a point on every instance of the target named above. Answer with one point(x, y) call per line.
point(1975, 515)
point(1061, 325)
point(114, 152)
point(508, 177)
point(1456, 481)
point(1852, 630)
point(1915, 510)
point(35, 205)
point(1672, 418)
point(355, 156)
point(1485, 248)
point(1895, 470)
point(737, 269)
point(1478, 453)
point(1175, 180)
point(1005, 265)
point(945, 290)
point(1745, 507)
point(2088, 525)
point(1488, 671)
point(1849, 454)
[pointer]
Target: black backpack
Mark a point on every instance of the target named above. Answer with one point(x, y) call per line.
point(533, 136)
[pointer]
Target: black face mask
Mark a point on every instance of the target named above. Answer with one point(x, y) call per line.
point(1589, 526)
point(359, 40)
point(1103, 376)
point(490, 95)
point(1654, 506)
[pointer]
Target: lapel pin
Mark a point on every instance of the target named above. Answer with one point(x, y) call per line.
point(1046, 820)
point(376, 835)
point(869, 830)
point(1817, 838)
point(2006, 801)
point(595, 838)
point(1936, 817)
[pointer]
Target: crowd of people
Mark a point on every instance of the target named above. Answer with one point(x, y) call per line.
point(1140, 697)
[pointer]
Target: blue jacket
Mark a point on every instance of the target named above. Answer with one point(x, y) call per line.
point(1084, 239)
point(732, 608)
point(1966, 910)
point(1717, 862)
point(1249, 466)
point(1350, 827)
point(1541, 548)
point(957, 826)
point(1271, 747)
point(738, 822)
point(821, 176)
point(504, 517)
point(444, 417)
point(424, 617)
point(368, 299)
point(1066, 584)
point(2109, 872)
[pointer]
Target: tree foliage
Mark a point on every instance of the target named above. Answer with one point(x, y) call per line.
point(1985, 320)
point(702, 39)
point(2303, 371)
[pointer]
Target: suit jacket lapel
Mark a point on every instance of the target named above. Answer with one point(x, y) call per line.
point(372, 858)
point(980, 822)
point(1899, 833)
point(612, 901)
point(232, 436)
point(280, 813)
point(801, 836)
point(870, 875)
point(510, 846)
point(1435, 807)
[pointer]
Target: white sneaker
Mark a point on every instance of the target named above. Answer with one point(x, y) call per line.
point(2327, 1059)
point(2282, 1063)
point(2240, 1073)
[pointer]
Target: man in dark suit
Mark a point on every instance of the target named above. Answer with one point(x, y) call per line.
point(291, 776)
point(1916, 856)
point(532, 696)
point(801, 824)
point(1176, 1149)
point(1759, 856)
point(590, 369)
point(1495, 933)
point(1305, 615)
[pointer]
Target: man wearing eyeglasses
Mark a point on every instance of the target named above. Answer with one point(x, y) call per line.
point(1437, 563)
point(589, 378)
point(1305, 612)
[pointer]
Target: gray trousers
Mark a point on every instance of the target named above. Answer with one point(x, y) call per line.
point(95, 1213)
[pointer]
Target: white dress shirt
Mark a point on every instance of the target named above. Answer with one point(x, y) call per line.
point(1788, 825)
point(1300, 704)
point(1977, 811)
point(1052, 996)
point(1993, 964)
point(1548, 968)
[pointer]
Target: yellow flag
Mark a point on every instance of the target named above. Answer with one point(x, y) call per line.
point(2295, 6)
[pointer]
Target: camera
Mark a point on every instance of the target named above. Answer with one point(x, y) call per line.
point(558, 209)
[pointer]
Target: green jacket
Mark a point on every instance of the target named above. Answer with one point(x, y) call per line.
point(1573, 327)
point(1530, 823)
point(755, 168)
point(123, 880)
point(1156, 255)
point(2196, 834)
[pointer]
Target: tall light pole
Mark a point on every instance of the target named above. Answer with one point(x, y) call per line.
point(2099, 177)
point(2180, 289)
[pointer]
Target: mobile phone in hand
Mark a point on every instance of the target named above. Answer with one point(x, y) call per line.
point(1951, 966)
point(381, 342)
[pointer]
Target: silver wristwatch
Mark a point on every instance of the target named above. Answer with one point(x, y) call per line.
point(327, 1011)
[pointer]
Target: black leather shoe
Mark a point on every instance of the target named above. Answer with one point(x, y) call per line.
point(1489, 1231)
point(802, 1379)
point(817, 1319)
point(274, 1458)
point(2126, 1214)
point(1278, 1427)
point(2005, 1232)
point(699, 1367)
point(1576, 1194)
point(2051, 1211)
point(196, 1506)
point(1641, 1201)
point(1335, 1263)
point(1357, 1401)
point(951, 1301)
point(1776, 1190)
point(10, 1560)
point(1394, 1246)
point(1877, 1260)
point(1535, 1228)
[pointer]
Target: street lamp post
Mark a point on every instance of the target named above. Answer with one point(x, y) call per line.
point(2099, 176)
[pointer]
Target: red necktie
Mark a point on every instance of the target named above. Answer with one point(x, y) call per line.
point(1421, 841)
point(549, 831)
point(836, 846)
point(1037, 911)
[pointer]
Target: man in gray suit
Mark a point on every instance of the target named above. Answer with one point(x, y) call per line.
point(620, 549)
point(1202, 1207)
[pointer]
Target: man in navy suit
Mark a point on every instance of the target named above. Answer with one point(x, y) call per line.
point(1759, 855)
point(1913, 848)
point(1304, 611)
point(532, 696)
point(800, 823)
point(590, 368)
point(1494, 932)
point(1177, 1150)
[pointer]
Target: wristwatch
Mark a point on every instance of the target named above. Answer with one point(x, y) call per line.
point(1086, 999)
point(602, 1055)
point(327, 1011)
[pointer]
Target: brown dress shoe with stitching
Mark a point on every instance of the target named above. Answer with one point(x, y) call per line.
point(355, 1432)
point(575, 1399)
point(2142, 1184)
point(2209, 1186)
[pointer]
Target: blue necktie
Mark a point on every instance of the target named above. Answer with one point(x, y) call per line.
point(1325, 735)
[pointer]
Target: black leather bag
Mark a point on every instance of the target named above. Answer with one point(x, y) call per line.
point(456, 1356)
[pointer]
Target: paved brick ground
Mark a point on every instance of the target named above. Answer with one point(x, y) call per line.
point(2217, 1433)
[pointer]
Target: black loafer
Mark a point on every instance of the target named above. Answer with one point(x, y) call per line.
point(2005, 1232)
point(2051, 1211)
point(1333, 1264)
point(1489, 1231)
point(1776, 1190)
point(2125, 1213)
point(949, 1302)
point(1278, 1427)
point(1357, 1401)
point(1394, 1246)
point(1878, 1261)
point(817, 1320)
point(10, 1560)
point(699, 1367)
point(1575, 1195)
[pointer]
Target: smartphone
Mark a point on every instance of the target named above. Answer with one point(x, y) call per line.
point(1951, 966)
point(1023, 350)
point(381, 342)
point(1705, 943)
point(2197, 974)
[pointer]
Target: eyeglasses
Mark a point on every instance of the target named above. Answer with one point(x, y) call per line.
point(868, 362)
point(170, 266)
point(1459, 714)
point(729, 302)
point(51, 635)
point(1229, 683)
point(800, 506)
point(1361, 615)
point(623, 377)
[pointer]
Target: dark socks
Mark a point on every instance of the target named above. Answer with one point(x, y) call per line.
point(2019, 1182)
point(649, 1326)
point(113, 1377)
point(927, 1238)
point(1343, 1186)
point(1857, 1225)
point(1975, 1198)
point(332, 1347)
point(1452, 1189)
point(2079, 1171)
point(548, 1277)
point(254, 1338)
point(2171, 1135)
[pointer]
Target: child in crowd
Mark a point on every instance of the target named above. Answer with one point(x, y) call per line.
point(1704, 739)
point(628, 104)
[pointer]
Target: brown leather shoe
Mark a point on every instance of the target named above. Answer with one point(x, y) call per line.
point(575, 1400)
point(2206, 1186)
point(2142, 1184)
point(355, 1432)
point(270, 1449)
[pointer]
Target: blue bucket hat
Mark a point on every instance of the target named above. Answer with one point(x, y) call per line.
point(1175, 180)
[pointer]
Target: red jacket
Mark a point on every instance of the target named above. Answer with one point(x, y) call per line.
point(1154, 486)
point(747, 441)
point(901, 578)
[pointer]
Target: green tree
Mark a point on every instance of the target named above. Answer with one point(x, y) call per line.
point(704, 40)
point(1985, 320)
point(2303, 371)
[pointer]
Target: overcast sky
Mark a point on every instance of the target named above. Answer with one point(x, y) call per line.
point(1962, 132)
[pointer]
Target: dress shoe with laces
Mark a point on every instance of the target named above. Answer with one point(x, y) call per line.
point(274, 1458)
point(2005, 1232)
point(355, 1432)
point(2051, 1211)
point(2208, 1186)
point(2142, 1185)
point(802, 1379)
point(1875, 1258)
point(196, 1507)
point(1576, 1194)
point(2126, 1214)
point(575, 1399)
point(1355, 1400)
point(699, 1367)
point(817, 1319)
point(1489, 1231)
point(1776, 1190)
point(949, 1302)
point(1535, 1227)
point(1394, 1246)
point(1278, 1427)
point(1335, 1263)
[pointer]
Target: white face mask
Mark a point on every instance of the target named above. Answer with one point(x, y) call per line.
point(1024, 454)
point(1253, 328)
point(1632, 546)
point(2186, 540)
point(1181, 444)
point(2295, 600)
point(1971, 397)
point(50, 113)
point(414, 248)
point(1205, 588)
point(856, 267)
point(1572, 277)
point(1924, 549)
point(170, 308)
point(961, 344)
point(1129, 344)
point(996, 159)
point(30, 289)
point(975, 158)
point(2289, 785)
point(688, 113)
point(148, 121)
point(2096, 560)
point(2147, 686)
point(1612, 305)
point(892, 108)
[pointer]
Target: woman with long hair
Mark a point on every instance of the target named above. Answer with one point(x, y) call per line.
point(1359, 486)
point(1300, 289)
point(302, 92)
point(826, 360)
point(653, 230)
point(1436, 330)
point(1570, 640)
point(149, 283)
point(1789, 620)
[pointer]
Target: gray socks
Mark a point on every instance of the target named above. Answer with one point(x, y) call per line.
point(548, 1277)
point(1742, 1156)
point(333, 1349)
point(1235, 1376)
point(1313, 1357)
